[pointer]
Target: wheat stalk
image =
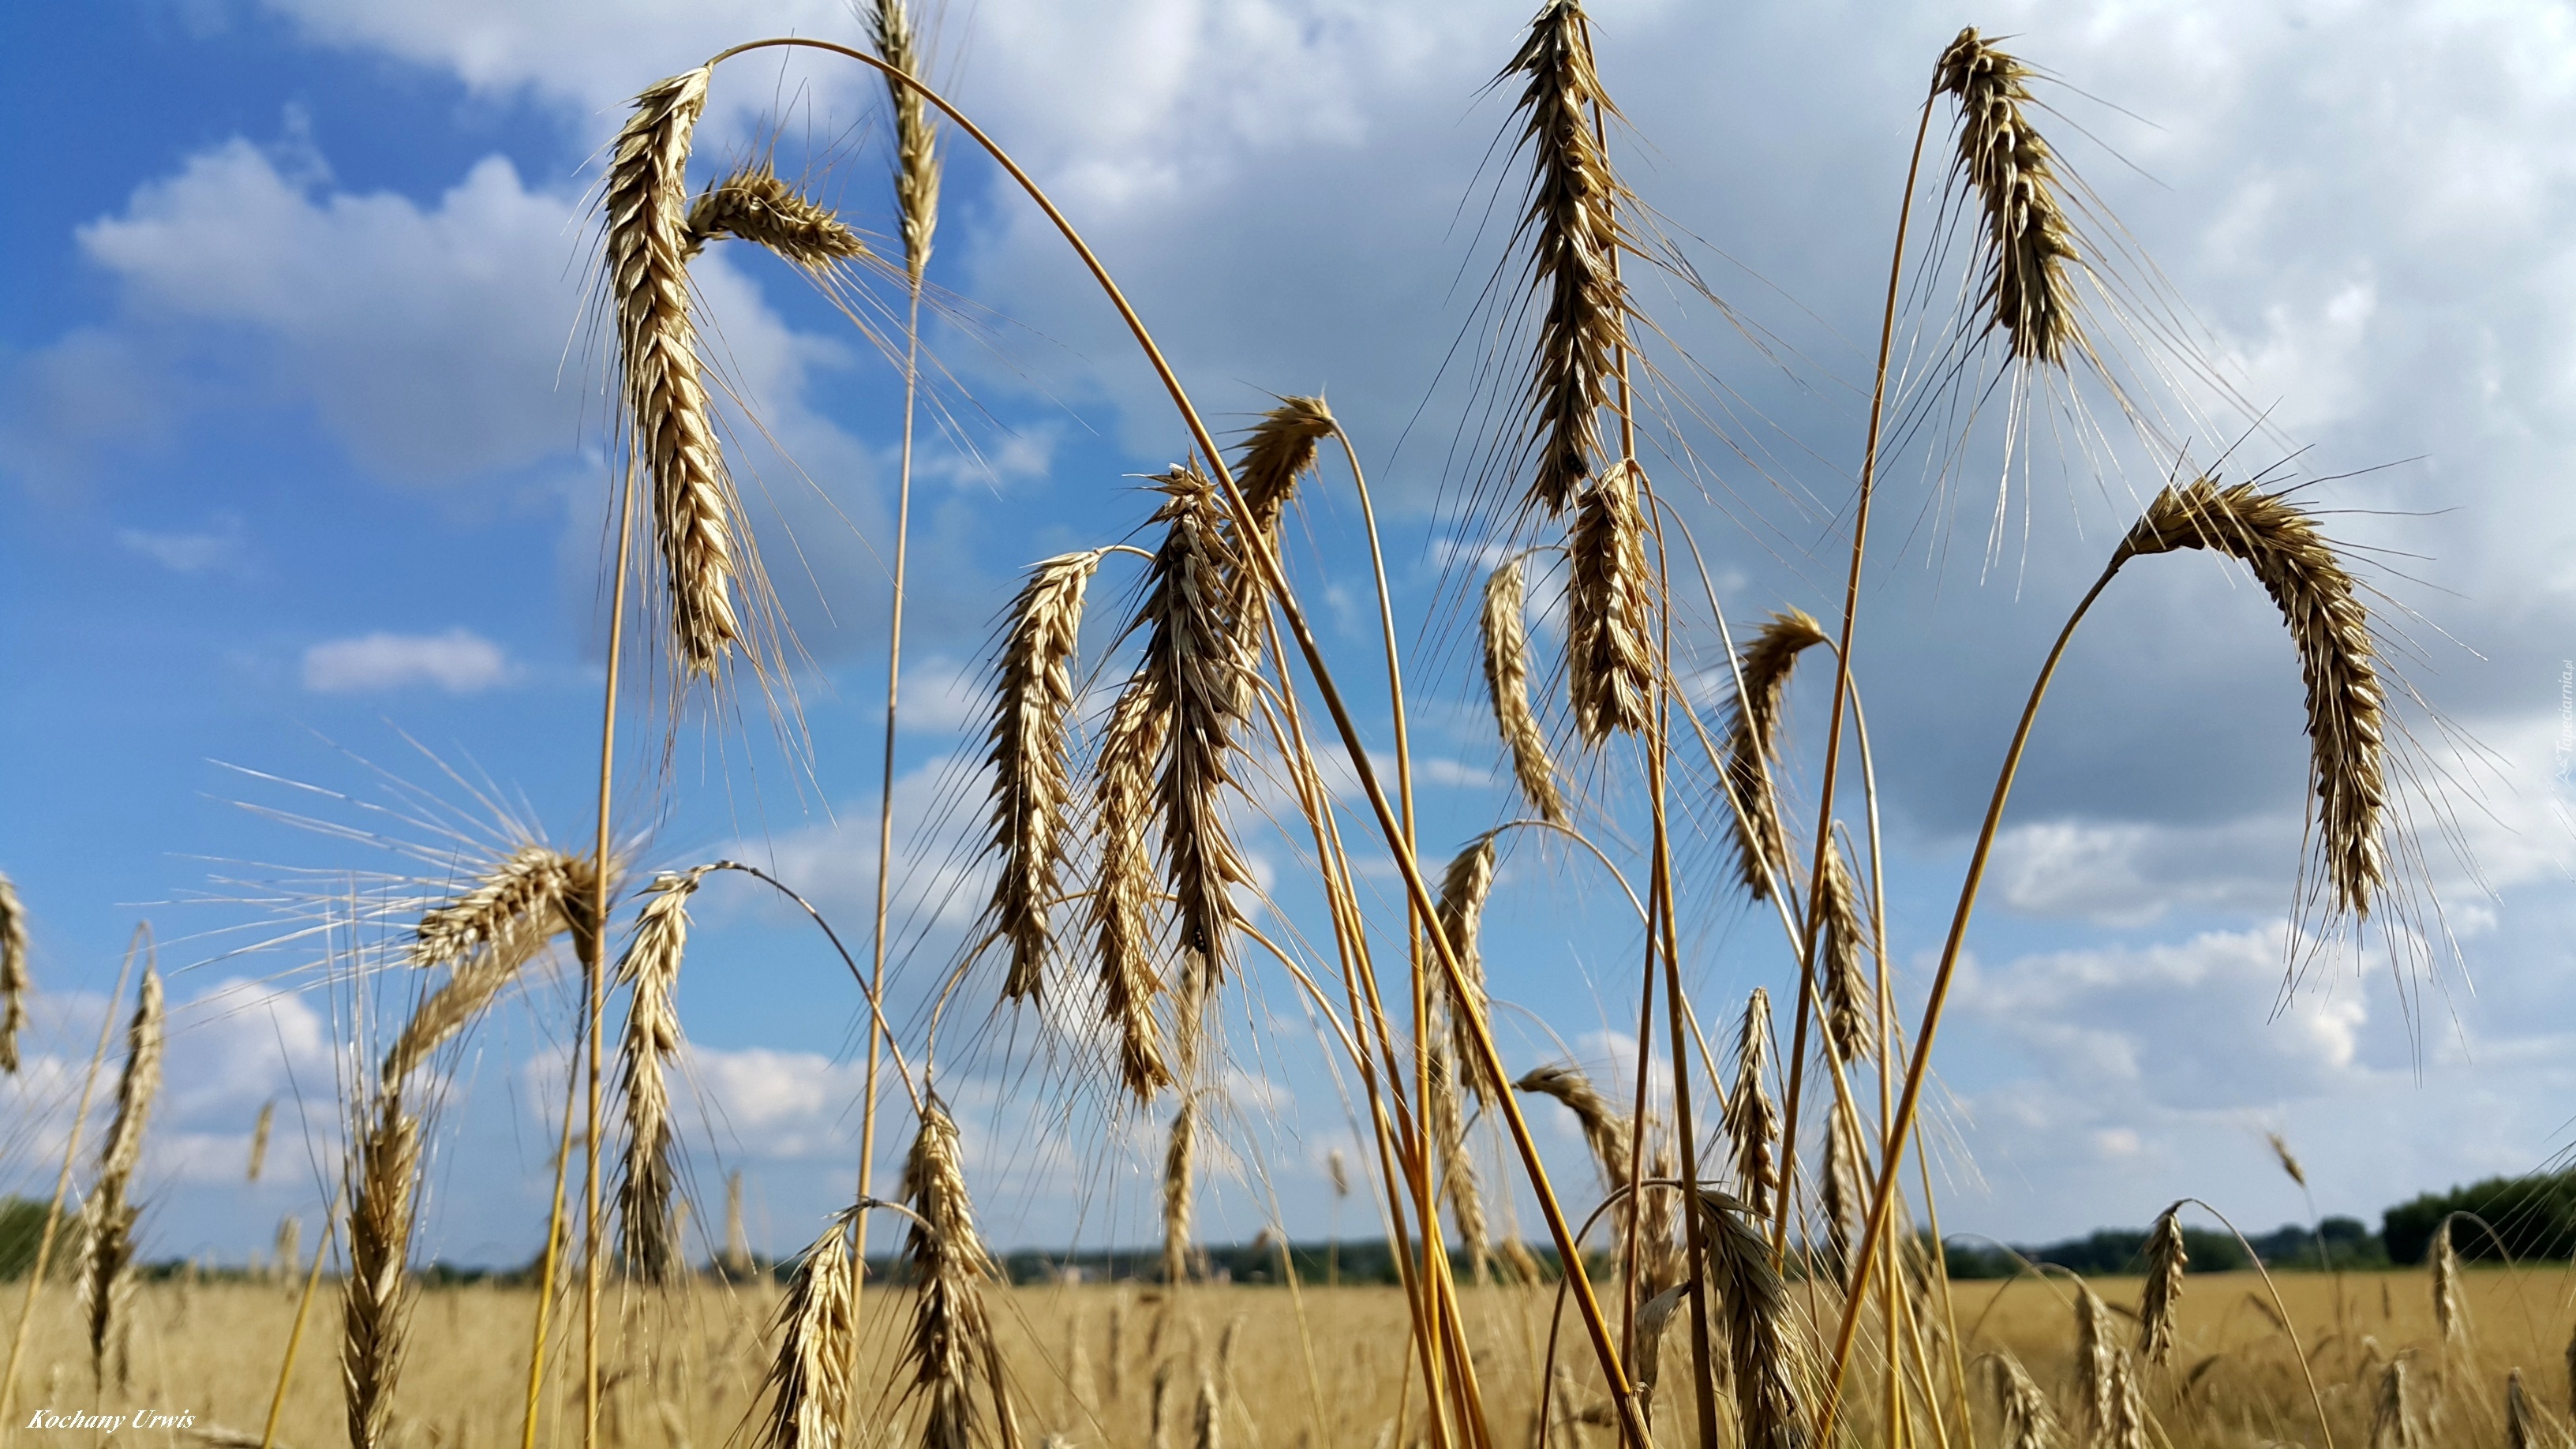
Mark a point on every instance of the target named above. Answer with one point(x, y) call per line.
point(1752, 739)
point(108, 1218)
point(1178, 1182)
point(2029, 240)
point(648, 1234)
point(15, 984)
point(1766, 1352)
point(1504, 630)
point(752, 203)
point(949, 1263)
point(696, 518)
point(1573, 228)
point(1032, 697)
point(809, 1378)
point(1122, 893)
point(1752, 1122)
point(1609, 603)
point(2331, 630)
point(2166, 1258)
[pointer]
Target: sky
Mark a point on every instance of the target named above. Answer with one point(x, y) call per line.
point(304, 469)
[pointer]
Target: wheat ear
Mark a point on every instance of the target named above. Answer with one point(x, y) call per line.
point(2521, 1430)
point(1210, 1416)
point(2331, 630)
point(752, 203)
point(1752, 1123)
point(2029, 241)
point(1448, 1124)
point(259, 1139)
point(1123, 894)
point(2449, 1314)
point(1609, 605)
point(1768, 1356)
point(2128, 1427)
point(1464, 888)
point(15, 985)
point(1752, 743)
point(1842, 1198)
point(1197, 669)
point(2096, 1360)
point(2392, 1423)
point(1032, 698)
point(108, 1218)
point(696, 519)
point(1849, 997)
point(736, 1257)
point(2166, 1258)
point(1573, 228)
point(514, 906)
point(949, 1263)
point(1179, 1188)
point(1604, 1130)
point(1503, 629)
point(648, 1234)
point(916, 138)
point(2029, 1422)
point(809, 1379)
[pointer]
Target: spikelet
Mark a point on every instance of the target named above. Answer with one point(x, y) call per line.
point(108, 1216)
point(2449, 1313)
point(1751, 1121)
point(2289, 1164)
point(1841, 981)
point(1767, 1353)
point(1574, 234)
point(697, 522)
point(259, 1139)
point(949, 1266)
point(1195, 667)
point(1609, 601)
point(916, 139)
point(648, 1235)
point(2520, 1427)
point(2392, 1422)
point(1464, 888)
point(809, 1380)
point(1178, 1189)
point(1604, 1131)
point(2156, 1304)
point(1123, 894)
point(753, 204)
point(2095, 1361)
point(515, 905)
point(2029, 1421)
point(1032, 697)
point(2331, 630)
point(1504, 631)
point(2029, 240)
point(15, 985)
point(1752, 737)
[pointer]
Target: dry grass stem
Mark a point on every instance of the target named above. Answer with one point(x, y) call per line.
point(1503, 628)
point(2331, 630)
point(15, 983)
point(2029, 240)
point(1123, 894)
point(809, 1379)
point(1752, 1122)
point(949, 1336)
point(916, 136)
point(648, 1233)
point(1752, 738)
point(1032, 699)
point(1574, 233)
point(752, 203)
point(1609, 608)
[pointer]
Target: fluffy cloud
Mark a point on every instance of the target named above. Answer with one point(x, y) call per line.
point(459, 661)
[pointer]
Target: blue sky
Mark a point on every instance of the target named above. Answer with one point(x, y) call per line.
point(300, 431)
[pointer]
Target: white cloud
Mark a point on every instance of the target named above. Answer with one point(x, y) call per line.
point(459, 661)
point(221, 549)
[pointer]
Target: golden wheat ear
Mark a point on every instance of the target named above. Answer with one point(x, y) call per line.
point(15, 984)
point(1030, 759)
point(809, 1379)
point(1751, 1120)
point(1609, 607)
point(1123, 896)
point(108, 1218)
point(2157, 1305)
point(950, 1334)
point(1768, 1354)
point(2029, 1420)
point(2029, 241)
point(916, 137)
point(647, 1177)
point(1503, 630)
point(753, 203)
point(1753, 743)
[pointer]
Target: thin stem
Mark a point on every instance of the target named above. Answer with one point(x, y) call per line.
point(546, 1271)
point(1842, 682)
point(295, 1334)
point(63, 1181)
point(1916, 1069)
point(593, 946)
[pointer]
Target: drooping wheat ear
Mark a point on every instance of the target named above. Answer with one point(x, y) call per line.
point(1604, 1131)
point(375, 1300)
point(753, 203)
point(1843, 1199)
point(916, 139)
point(2128, 1427)
point(809, 1380)
point(514, 905)
point(1519, 1263)
point(2029, 1421)
point(2095, 1361)
point(259, 1139)
point(2157, 1302)
point(1574, 233)
point(1464, 888)
point(1276, 453)
point(1504, 629)
point(1178, 1189)
point(736, 1260)
point(1123, 894)
point(1752, 1122)
point(949, 1265)
point(2029, 241)
point(2392, 1425)
point(108, 1217)
point(1768, 1354)
point(648, 1235)
point(1609, 601)
point(1753, 737)
point(1208, 1422)
point(1654, 1317)
point(2450, 1314)
point(696, 517)
point(2289, 1164)
point(1032, 698)
point(470, 988)
point(2520, 1430)
point(15, 984)
point(1448, 1123)
point(1196, 667)
point(1849, 997)
point(2331, 630)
